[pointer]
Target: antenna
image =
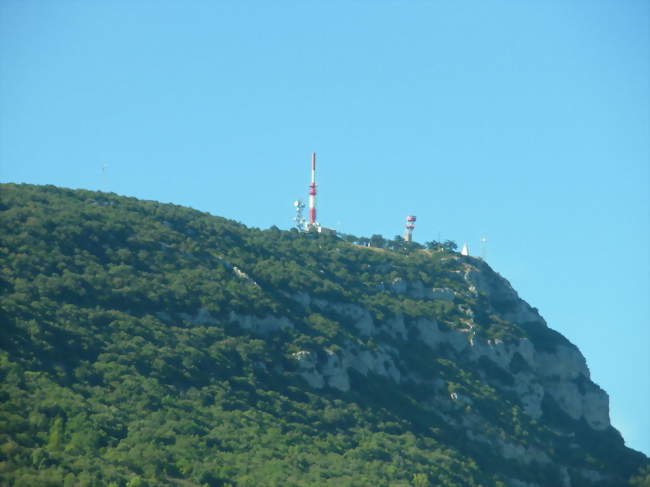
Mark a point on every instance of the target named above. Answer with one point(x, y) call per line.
point(299, 218)
point(409, 227)
point(483, 247)
point(312, 193)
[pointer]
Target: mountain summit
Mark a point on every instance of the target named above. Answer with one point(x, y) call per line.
point(150, 344)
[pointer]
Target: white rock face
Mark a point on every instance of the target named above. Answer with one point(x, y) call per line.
point(396, 327)
point(555, 374)
point(595, 408)
point(506, 449)
point(334, 372)
point(526, 384)
point(523, 454)
point(567, 396)
point(307, 363)
point(429, 332)
point(530, 392)
point(499, 290)
point(559, 372)
point(564, 363)
point(361, 316)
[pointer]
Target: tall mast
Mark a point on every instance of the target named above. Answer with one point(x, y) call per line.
point(312, 192)
point(409, 227)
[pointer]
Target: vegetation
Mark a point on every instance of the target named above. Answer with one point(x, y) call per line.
point(122, 364)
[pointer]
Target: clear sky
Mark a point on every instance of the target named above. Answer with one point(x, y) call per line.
point(525, 122)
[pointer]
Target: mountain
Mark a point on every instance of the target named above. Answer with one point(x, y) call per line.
point(150, 344)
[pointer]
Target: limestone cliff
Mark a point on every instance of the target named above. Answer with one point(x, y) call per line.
point(540, 370)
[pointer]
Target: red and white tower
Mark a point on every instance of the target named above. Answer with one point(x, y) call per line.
point(409, 227)
point(312, 193)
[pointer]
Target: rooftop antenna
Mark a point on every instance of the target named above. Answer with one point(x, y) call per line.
point(299, 205)
point(409, 227)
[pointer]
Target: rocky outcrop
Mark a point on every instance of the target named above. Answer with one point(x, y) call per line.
point(558, 371)
point(482, 280)
point(334, 370)
point(562, 376)
point(540, 367)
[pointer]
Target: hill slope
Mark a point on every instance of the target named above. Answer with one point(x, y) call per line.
point(150, 344)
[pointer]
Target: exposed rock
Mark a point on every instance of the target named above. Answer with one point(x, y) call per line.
point(307, 364)
point(596, 408)
point(396, 327)
point(559, 371)
point(417, 290)
point(530, 393)
point(498, 290)
point(242, 275)
point(363, 321)
point(262, 326)
point(335, 372)
point(591, 475)
point(564, 363)
point(546, 373)
point(433, 337)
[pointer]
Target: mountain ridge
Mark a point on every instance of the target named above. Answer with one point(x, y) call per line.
point(202, 316)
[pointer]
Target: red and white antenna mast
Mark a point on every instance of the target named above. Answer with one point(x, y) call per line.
point(312, 193)
point(409, 227)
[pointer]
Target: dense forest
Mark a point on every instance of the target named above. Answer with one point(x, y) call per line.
point(125, 361)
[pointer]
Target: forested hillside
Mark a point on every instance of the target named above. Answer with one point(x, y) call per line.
point(150, 344)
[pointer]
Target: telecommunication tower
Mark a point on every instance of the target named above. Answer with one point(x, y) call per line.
point(299, 205)
point(409, 227)
point(312, 194)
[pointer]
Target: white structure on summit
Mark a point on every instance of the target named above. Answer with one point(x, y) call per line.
point(409, 227)
point(299, 218)
point(465, 250)
point(310, 224)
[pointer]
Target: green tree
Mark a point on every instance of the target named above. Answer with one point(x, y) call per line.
point(420, 480)
point(55, 438)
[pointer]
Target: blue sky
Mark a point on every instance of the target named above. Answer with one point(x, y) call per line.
point(526, 122)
